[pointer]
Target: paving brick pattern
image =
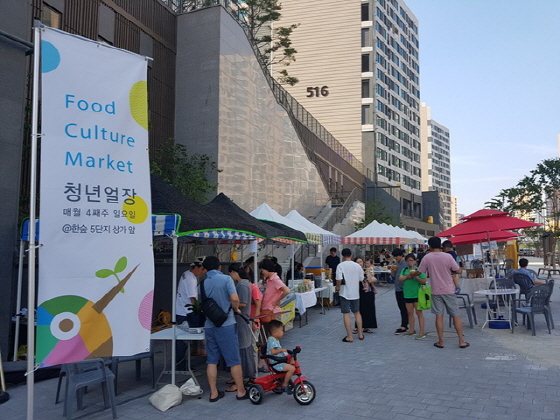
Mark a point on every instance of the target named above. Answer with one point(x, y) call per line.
point(500, 376)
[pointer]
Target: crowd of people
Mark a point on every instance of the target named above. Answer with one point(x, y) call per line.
point(233, 342)
point(355, 287)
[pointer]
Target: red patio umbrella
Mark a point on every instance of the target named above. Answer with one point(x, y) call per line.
point(475, 238)
point(485, 213)
point(487, 224)
point(486, 221)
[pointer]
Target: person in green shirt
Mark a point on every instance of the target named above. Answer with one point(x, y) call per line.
point(411, 285)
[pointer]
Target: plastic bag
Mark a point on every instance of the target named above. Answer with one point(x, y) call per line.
point(424, 298)
point(165, 398)
point(190, 388)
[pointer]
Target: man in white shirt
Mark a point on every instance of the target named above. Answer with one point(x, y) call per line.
point(187, 293)
point(349, 276)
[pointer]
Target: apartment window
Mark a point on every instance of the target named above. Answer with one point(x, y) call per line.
point(367, 116)
point(365, 12)
point(366, 38)
point(51, 17)
point(365, 89)
point(365, 63)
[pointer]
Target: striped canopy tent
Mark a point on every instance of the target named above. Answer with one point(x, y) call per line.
point(327, 238)
point(270, 216)
point(376, 234)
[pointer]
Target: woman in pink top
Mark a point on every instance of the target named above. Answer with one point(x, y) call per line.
point(275, 290)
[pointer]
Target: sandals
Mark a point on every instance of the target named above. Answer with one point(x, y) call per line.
point(221, 394)
point(367, 331)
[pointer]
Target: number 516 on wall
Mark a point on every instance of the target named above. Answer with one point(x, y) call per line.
point(317, 91)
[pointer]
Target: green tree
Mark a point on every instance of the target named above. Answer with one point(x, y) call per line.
point(188, 174)
point(375, 210)
point(273, 42)
point(538, 192)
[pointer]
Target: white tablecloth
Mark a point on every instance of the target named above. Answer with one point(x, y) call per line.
point(325, 292)
point(305, 300)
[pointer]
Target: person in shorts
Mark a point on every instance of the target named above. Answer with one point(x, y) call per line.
point(411, 285)
point(439, 266)
point(222, 341)
point(349, 292)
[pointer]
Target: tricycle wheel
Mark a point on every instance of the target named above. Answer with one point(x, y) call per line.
point(278, 390)
point(256, 393)
point(304, 393)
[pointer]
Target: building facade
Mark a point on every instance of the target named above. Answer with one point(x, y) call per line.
point(375, 45)
point(436, 163)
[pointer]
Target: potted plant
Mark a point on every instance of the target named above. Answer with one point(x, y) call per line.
point(196, 318)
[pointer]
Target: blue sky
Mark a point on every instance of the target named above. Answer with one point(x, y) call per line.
point(490, 71)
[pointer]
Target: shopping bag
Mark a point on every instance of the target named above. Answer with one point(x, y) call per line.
point(190, 388)
point(165, 398)
point(424, 298)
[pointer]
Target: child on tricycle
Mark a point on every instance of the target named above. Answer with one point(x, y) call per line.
point(282, 365)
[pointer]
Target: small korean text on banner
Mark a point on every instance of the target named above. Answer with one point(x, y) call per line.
point(96, 269)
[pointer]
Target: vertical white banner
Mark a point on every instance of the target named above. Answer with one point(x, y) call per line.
point(96, 270)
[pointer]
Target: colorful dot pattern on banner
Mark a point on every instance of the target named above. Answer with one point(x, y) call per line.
point(139, 103)
point(145, 310)
point(136, 213)
point(50, 57)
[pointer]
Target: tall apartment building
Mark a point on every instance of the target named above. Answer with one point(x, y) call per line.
point(436, 163)
point(357, 63)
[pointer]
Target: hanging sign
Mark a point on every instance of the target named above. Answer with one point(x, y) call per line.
point(96, 270)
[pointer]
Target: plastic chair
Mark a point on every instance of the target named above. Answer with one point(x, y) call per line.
point(506, 266)
point(536, 304)
point(468, 306)
point(63, 375)
point(477, 264)
point(86, 373)
point(525, 283)
point(138, 359)
point(501, 283)
point(550, 285)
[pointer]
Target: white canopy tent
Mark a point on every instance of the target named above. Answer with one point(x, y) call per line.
point(328, 238)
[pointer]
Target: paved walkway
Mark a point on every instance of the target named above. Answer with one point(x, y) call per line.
point(500, 376)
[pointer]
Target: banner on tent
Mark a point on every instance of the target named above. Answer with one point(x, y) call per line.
point(96, 266)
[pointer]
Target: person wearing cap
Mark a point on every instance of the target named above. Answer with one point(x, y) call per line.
point(439, 266)
point(187, 293)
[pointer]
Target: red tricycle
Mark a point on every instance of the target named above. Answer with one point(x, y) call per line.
point(303, 390)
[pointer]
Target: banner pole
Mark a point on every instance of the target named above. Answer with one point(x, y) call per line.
point(173, 307)
point(32, 207)
point(18, 298)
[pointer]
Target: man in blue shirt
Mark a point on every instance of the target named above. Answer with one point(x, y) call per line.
point(523, 264)
point(222, 341)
